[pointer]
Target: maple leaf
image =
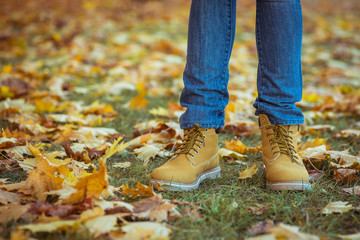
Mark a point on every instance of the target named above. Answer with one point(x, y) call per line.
point(140, 190)
point(315, 143)
point(239, 147)
point(138, 102)
point(45, 176)
point(146, 152)
point(92, 185)
point(249, 171)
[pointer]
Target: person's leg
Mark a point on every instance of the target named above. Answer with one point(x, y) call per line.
point(210, 40)
point(205, 95)
point(278, 38)
point(279, 80)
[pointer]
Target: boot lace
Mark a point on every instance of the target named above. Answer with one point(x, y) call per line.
point(194, 137)
point(283, 140)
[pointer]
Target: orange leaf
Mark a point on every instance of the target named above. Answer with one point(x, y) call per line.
point(140, 190)
point(92, 185)
point(138, 101)
point(239, 147)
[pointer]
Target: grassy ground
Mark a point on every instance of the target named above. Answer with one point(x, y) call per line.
point(224, 202)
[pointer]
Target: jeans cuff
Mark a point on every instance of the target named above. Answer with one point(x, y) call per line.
point(202, 125)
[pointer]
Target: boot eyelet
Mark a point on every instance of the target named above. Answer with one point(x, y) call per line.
point(206, 129)
point(204, 137)
point(200, 147)
point(192, 156)
point(196, 151)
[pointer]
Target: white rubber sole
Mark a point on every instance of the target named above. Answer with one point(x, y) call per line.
point(177, 186)
point(290, 185)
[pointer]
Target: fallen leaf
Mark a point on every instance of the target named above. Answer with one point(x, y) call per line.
point(239, 147)
point(259, 209)
point(12, 211)
point(9, 197)
point(249, 171)
point(92, 185)
point(146, 152)
point(353, 190)
point(336, 207)
point(346, 175)
point(142, 231)
point(140, 190)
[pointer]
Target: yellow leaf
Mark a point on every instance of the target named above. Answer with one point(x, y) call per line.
point(46, 176)
point(140, 190)
point(115, 148)
point(92, 185)
point(249, 172)
point(5, 92)
point(42, 106)
point(315, 143)
point(239, 147)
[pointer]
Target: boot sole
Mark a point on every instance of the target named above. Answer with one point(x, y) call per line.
point(177, 186)
point(291, 185)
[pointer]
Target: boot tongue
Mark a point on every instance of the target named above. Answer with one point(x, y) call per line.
point(263, 120)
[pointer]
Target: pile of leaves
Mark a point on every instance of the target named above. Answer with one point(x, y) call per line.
point(67, 65)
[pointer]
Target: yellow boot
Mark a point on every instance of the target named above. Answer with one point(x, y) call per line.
point(194, 160)
point(284, 167)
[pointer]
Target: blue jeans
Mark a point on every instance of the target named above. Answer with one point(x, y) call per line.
point(210, 40)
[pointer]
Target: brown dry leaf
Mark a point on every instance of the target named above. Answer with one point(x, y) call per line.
point(78, 156)
point(142, 231)
point(9, 197)
point(241, 128)
point(140, 190)
point(14, 87)
point(12, 211)
point(353, 190)
point(346, 175)
point(261, 227)
point(138, 101)
point(337, 207)
point(191, 212)
point(238, 146)
point(249, 171)
point(146, 152)
point(45, 176)
point(259, 209)
point(164, 213)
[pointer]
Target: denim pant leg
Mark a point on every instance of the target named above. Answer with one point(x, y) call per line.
point(279, 80)
point(210, 40)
